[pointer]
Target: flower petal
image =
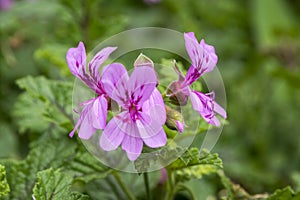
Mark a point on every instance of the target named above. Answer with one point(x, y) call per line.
point(76, 59)
point(99, 112)
point(151, 131)
point(206, 106)
point(99, 59)
point(214, 121)
point(133, 147)
point(157, 140)
point(86, 128)
point(218, 109)
point(155, 107)
point(196, 103)
point(141, 84)
point(114, 80)
point(203, 56)
point(113, 134)
point(210, 55)
point(192, 75)
point(180, 126)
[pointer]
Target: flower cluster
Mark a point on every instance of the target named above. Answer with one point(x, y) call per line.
point(143, 111)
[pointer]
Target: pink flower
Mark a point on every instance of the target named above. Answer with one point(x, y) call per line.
point(94, 112)
point(204, 59)
point(143, 113)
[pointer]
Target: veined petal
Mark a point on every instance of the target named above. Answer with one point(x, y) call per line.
point(210, 56)
point(99, 59)
point(141, 84)
point(192, 75)
point(193, 48)
point(114, 80)
point(113, 133)
point(151, 131)
point(133, 147)
point(203, 56)
point(218, 109)
point(155, 107)
point(157, 140)
point(99, 112)
point(196, 103)
point(86, 128)
point(206, 106)
point(214, 121)
point(76, 59)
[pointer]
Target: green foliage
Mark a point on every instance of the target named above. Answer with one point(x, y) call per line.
point(55, 185)
point(44, 153)
point(257, 43)
point(194, 164)
point(44, 99)
point(284, 194)
point(4, 187)
point(86, 168)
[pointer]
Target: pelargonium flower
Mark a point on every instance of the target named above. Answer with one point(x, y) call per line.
point(143, 113)
point(204, 59)
point(94, 112)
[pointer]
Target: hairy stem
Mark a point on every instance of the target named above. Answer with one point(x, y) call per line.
point(146, 181)
point(123, 186)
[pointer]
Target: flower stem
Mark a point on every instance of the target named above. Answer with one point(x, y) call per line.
point(170, 186)
point(181, 186)
point(123, 186)
point(146, 181)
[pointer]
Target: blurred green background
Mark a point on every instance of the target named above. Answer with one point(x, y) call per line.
point(258, 44)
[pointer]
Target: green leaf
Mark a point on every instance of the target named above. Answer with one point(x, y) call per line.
point(4, 187)
point(53, 54)
point(54, 185)
point(45, 152)
point(44, 101)
point(284, 194)
point(195, 164)
point(86, 168)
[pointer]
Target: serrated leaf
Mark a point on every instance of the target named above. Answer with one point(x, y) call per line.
point(86, 168)
point(44, 153)
point(44, 99)
point(193, 157)
point(4, 187)
point(54, 185)
point(195, 164)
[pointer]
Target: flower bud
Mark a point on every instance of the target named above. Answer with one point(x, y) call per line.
point(174, 120)
point(143, 60)
point(176, 91)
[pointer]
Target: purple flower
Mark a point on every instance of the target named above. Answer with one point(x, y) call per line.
point(94, 112)
point(143, 113)
point(204, 59)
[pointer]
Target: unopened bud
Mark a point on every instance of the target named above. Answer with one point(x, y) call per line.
point(174, 120)
point(177, 95)
point(176, 91)
point(143, 60)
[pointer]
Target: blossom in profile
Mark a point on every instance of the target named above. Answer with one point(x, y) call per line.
point(142, 110)
point(94, 111)
point(204, 59)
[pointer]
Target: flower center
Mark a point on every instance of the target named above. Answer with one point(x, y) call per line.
point(133, 111)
